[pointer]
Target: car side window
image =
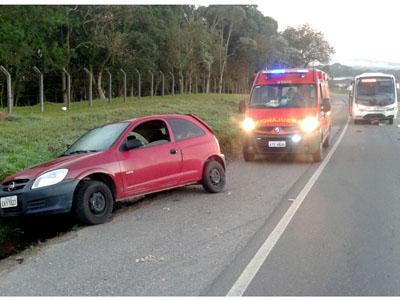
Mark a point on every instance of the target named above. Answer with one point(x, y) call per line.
point(150, 133)
point(183, 129)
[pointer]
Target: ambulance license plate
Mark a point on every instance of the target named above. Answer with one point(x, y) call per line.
point(7, 202)
point(277, 144)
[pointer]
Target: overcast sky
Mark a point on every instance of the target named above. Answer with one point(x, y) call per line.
point(356, 29)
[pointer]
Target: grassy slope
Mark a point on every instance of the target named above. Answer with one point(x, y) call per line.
point(31, 137)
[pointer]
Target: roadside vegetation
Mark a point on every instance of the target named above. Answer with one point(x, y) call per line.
point(29, 137)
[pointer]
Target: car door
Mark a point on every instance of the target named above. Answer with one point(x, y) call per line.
point(194, 145)
point(155, 164)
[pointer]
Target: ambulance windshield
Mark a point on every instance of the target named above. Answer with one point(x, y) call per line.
point(284, 96)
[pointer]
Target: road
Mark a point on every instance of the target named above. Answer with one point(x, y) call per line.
point(342, 240)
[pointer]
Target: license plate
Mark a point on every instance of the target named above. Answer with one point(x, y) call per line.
point(7, 202)
point(277, 144)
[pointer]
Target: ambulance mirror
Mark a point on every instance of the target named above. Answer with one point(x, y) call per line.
point(326, 105)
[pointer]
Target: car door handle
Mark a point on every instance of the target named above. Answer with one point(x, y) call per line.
point(173, 151)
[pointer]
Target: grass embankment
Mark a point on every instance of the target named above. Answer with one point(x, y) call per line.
point(29, 137)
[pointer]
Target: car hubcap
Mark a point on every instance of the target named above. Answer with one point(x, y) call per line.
point(97, 203)
point(215, 176)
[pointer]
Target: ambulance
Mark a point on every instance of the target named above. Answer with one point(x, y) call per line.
point(289, 111)
point(373, 97)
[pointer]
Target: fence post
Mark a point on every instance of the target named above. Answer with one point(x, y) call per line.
point(152, 84)
point(181, 80)
point(163, 82)
point(90, 86)
point(139, 83)
point(10, 103)
point(124, 77)
point(41, 97)
point(109, 85)
point(173, 83)
point(68, 104)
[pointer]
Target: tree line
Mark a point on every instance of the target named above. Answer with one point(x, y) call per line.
point(205, 48)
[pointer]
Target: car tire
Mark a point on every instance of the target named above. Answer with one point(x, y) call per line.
point(327, 141)
point(213, 177)
point(356, 122)
point(248, 156)
point(93, 202)
point(317, 156)
point(390, 121)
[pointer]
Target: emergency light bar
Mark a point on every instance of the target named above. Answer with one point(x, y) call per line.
point(286, 71)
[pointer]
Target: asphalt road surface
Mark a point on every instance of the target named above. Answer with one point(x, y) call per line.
point(342, 239)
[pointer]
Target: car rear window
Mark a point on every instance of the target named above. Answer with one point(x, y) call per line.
point(183, 129)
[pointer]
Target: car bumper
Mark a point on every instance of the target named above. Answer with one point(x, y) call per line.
point(375, 115)
point(42, 201)
point(259, 144)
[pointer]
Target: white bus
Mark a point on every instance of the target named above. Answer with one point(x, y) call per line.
point(373, 96)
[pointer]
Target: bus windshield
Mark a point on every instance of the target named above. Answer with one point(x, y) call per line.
point(375, 91)
point(284, 96)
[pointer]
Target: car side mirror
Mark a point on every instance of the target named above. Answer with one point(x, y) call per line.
point(242, 106)
point(132, 144)
point(326, 105)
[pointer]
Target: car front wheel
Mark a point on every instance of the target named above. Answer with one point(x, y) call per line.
point(213, 177)
point(93, 202)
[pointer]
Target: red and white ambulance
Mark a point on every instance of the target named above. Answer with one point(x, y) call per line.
point(289, 111)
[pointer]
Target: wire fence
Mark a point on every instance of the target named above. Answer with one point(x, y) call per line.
point(64, 87)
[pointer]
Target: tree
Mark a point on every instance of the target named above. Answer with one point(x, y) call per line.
point(307, 45)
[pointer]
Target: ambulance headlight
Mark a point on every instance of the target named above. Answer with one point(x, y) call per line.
point(296, 138)
point(309, 124)
point(248, 124)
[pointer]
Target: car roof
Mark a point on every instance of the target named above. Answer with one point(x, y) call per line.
point(160, 116)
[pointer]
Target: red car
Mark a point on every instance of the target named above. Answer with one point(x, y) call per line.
point(115, 162)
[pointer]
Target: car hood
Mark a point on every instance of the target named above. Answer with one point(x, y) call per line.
point(280, 116)
point(59, 163)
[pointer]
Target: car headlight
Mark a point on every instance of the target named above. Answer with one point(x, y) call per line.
point(248, 124)
point(50, 178)
point(309, 124)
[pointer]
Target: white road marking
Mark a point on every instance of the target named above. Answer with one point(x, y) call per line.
point(245, 278)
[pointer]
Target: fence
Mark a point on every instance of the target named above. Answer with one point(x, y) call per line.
point(160, 84)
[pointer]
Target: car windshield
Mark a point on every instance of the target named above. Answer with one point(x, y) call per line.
point(284, 96)
point(375, 91)
point(98, 139)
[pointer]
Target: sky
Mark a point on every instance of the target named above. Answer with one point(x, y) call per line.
point(358, 30)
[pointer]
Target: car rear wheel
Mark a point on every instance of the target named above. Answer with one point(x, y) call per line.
point(213, 177)
point(93, 202)
point(391, 121)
